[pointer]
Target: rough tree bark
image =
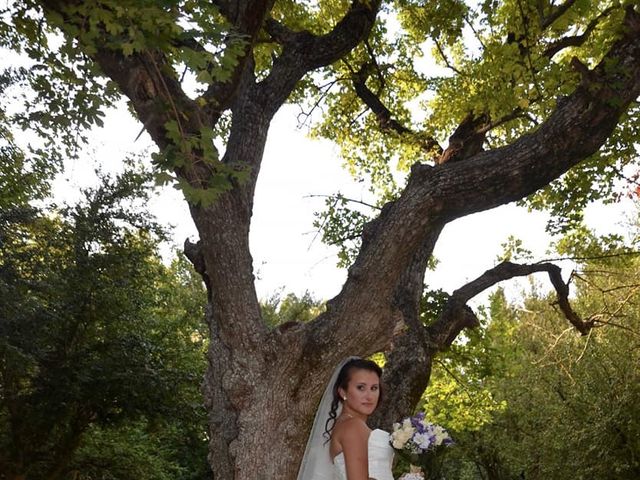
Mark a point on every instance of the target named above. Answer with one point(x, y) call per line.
point(262, 386)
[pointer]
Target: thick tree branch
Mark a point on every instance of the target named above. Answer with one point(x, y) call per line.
point(466, 140)
point(457, 316)
point(149, 81)
point(384, 115)
point(317, 51)
point(193, 252)
point(406, 373)
point(147, 78)
point(562, 290)
point(408, 367)
point(303, 52)
point(247, 18)
point(556, 13)
point(385, 120)
point(442, 335)
point(575, 130)
point(246, 15)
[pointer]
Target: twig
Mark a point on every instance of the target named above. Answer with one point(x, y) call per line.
point(525, 26)
point(444, 57)
point(576, 40)
point(475, 32)
point(342, 197)
point(586, 344)
point(617, 325)
point(592, 257)
point(324, 89)
point(323, 224)
point(552, 347)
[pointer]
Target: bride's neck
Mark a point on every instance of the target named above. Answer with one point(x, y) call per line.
point(348, 413)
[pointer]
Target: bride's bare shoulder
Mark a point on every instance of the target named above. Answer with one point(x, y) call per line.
point(348, 432)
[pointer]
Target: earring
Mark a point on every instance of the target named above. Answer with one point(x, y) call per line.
point(344, 398)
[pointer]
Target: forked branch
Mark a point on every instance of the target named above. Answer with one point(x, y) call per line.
point(385, 118)
point(456, 315)
point(303, 51)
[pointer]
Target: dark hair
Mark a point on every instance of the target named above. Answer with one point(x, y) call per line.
point(343, 382)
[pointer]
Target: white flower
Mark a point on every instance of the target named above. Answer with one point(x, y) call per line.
point(422, 440)
point(402, 433)
point(399, 438)
point(440, 434)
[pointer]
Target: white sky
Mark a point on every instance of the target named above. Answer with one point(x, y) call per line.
point(286, 256)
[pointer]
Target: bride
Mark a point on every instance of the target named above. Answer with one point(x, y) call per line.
point(341, 446)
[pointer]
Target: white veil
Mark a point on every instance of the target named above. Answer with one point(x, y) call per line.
point(316, 463)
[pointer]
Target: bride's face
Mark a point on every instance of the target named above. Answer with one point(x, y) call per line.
point(363, 392)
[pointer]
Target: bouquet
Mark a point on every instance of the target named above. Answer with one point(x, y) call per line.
point(422, 443)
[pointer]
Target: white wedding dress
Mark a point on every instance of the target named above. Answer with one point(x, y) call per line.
point(380, 458)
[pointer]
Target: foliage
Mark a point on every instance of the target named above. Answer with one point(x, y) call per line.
point(341, 225)
point(458, 397)
point(61, 93)
point(278, 310)
point(21, 179)
point(561, 405)
point(514, 250)
point(499, 59)
point(100, 345)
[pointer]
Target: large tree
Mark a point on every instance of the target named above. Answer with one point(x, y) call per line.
point(544, 88)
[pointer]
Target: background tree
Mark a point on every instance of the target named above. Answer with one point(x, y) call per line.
point(560, 405)
point(100, 350)
point(544, 87)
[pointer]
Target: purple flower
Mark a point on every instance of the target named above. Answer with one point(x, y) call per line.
point(418, 422)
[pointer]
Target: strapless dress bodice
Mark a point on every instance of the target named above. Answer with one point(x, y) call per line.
point(380, 458)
